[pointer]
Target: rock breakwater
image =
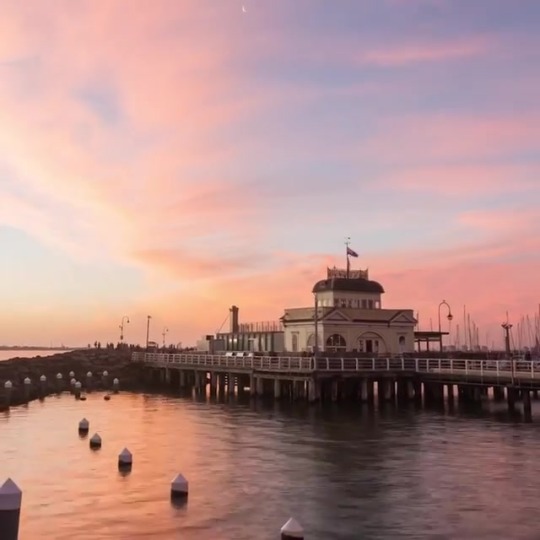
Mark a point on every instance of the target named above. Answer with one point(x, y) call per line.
point(95, 369)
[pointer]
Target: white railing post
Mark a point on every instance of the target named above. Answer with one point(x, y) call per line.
point(416, 365)
point(402, 364)
point(481, 368)
point(532, 369)
point(388, 364)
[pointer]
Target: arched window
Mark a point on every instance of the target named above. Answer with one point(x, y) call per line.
point(336, 342)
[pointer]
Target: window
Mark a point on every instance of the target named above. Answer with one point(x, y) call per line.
point(336, 342)
point(295, 342)
point(364, 304)
point(370, 304)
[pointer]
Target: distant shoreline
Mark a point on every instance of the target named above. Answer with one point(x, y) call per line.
point(36, 348)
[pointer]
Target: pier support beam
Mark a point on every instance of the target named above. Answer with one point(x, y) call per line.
point(230, 383)
point(277, 389)
point(403, 390)
point(498, 393)
point(511, 395)
point(259, 385)
point(334, 392)
point(213, 383)
point(527, 410)
point(314, 390)
point(363, 390)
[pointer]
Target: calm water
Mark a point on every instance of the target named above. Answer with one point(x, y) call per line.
point(344, 473)
point(6, 355)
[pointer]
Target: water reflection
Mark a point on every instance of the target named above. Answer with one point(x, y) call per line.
point(345, 472)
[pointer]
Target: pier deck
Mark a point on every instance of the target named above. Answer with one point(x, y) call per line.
point(317, 378)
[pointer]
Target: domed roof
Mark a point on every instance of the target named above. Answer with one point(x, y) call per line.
point(348, 285)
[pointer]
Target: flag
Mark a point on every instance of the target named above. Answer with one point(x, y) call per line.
point(351, 253)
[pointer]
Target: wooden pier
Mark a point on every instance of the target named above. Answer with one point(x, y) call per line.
point(362, 379)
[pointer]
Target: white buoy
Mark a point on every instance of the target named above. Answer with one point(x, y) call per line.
point(8, 389)
point(125, 459)
point(95, 441)
point(71, 374)
point(77, 389)
point(89, 381)
point(43, 384)
point(84, 426)
point(58, 376)
point(27, 388)
point(116, 385)
point(179, 487)
point(10, 510)
point(72, 381)
point(105, 379)
point(292, 530)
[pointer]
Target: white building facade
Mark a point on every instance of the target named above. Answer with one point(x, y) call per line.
point(349, 318)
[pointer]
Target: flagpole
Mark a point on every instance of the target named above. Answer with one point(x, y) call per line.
point(347, 242)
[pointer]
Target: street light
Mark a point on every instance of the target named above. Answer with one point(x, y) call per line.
point(507, 327)
point(124, 318)
point(164, 333)
point(148, 317)
point(449, 317)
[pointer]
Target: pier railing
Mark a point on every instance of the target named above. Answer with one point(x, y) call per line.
point(492, 368)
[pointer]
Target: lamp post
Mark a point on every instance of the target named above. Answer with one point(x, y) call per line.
point(164, 333)
point(449, 317)
point(316, 334)
point(148, 317)
point(507, 327)
point(124, 318)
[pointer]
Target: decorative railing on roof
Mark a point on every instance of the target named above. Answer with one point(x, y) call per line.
point(263, 326)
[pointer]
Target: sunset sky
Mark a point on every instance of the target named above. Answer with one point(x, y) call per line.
point(174, 157)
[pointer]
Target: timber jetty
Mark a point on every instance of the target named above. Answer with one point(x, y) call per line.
point(400, 379)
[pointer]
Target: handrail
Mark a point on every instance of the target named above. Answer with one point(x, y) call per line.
point(297, 364)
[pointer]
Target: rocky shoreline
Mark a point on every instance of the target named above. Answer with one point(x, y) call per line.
point(43, 374)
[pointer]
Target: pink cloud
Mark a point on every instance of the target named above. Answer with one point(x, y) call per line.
point(460, 180)
point(405, 54)
point(432, 138)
